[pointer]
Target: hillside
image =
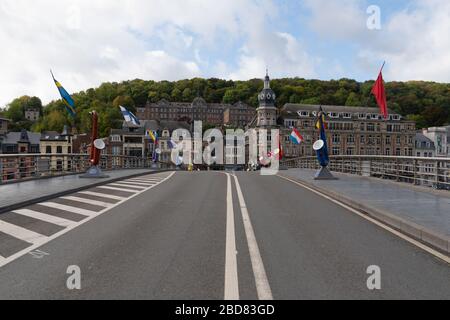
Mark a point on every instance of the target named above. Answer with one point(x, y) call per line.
point(426, 102)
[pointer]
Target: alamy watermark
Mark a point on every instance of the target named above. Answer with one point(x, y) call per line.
point(374, 19)
point(74, 280)
point(260, 147)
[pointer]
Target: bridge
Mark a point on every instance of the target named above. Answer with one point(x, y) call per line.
point(158, 233)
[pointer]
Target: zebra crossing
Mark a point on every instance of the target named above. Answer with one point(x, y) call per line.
point(28, 228)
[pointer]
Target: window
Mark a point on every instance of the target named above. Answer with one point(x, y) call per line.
point(361, 116)
point(69, 149)
point(362, 139)
point(388, 151)
point(388, 140)
point(347, 115)
point(351, 139)
point(336, 151)
point(350, 151)
point(398, 140)
point(370, 127)
point(48, 149)
point(336, 138)
point(59, 149)
point(303, 114)
point(334, 115)
point(397, 152)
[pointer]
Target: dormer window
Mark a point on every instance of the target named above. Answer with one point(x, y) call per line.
point(361, 116)
point(303, 114)
point(333, 115)
point(375, 116)
point(347, 115)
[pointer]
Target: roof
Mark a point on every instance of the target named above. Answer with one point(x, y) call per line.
point(4, 119)
point(309, 107)
point(422, 140)
point(151, 125)
point(14, 138)
point(198, 102)
point(52, 136)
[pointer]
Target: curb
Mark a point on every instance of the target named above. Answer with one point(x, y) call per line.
point(438, 241)
point(70, 191)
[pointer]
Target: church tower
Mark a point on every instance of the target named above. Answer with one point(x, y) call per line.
point(266, 112)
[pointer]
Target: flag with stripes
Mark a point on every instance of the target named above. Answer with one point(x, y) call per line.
point(68, 101)
point(129, 117)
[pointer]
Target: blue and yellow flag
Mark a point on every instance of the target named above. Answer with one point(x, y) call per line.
point(70, 104)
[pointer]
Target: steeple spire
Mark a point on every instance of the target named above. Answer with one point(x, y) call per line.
point(267, 80)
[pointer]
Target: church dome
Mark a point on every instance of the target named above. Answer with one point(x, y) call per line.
point(267, 96)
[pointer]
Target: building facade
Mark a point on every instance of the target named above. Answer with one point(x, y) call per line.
point(32, 114)
point(58, 146)
point(424, 147)
point(351, 131)
point(217, 114)
point(440, 138)
point(18, 143)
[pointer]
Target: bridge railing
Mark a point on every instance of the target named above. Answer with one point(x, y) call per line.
point(17, 167)
point(432, 172)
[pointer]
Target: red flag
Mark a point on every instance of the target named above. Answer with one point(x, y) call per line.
point(380, 94)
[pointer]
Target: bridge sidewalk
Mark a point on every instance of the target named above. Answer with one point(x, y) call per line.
point(419, 212)
point(13, 196)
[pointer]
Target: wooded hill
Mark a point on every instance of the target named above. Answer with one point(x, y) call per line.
point(427, 103)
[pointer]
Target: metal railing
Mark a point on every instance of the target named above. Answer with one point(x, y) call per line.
point(17, 167)
point(432, 172)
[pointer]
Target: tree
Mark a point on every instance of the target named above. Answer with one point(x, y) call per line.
point(353, 100)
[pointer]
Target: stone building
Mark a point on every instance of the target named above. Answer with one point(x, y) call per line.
point(439, 136)
point(32, 114)
point(424, 147)
point(351, 131)
point(13, 143)
point(59, 146)
point(218, 114)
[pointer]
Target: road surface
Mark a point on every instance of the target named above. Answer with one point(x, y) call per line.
point(207, 235)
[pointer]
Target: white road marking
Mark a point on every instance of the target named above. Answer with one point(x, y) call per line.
point(259, 272)
point(231, 272)
point(118, 189)
point(146, 180)
point(21, 233)
point(44, 217)
point(146, 184)
point(88, 201)
point(124, 185)
point(376, 222)
point(83, 212)
point(104, 195)
point(5, 261)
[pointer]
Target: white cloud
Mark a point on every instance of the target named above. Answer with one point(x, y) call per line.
point(415, 42)
point(87, 42)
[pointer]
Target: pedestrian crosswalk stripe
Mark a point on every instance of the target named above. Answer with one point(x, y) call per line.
point(118, 189)
point(44, 217)
point(21, 233)
point(145, 180)
point(64, 214)
point(147, 184)
point(88, 201)
point(104, 195)
point(83, 212)
point(127, 186)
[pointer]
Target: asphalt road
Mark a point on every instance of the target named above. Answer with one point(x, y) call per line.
point(174, 238)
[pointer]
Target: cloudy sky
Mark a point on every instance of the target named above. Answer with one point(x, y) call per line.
point(87, 42)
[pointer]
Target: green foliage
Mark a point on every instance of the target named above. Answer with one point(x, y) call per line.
point(426, 102)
